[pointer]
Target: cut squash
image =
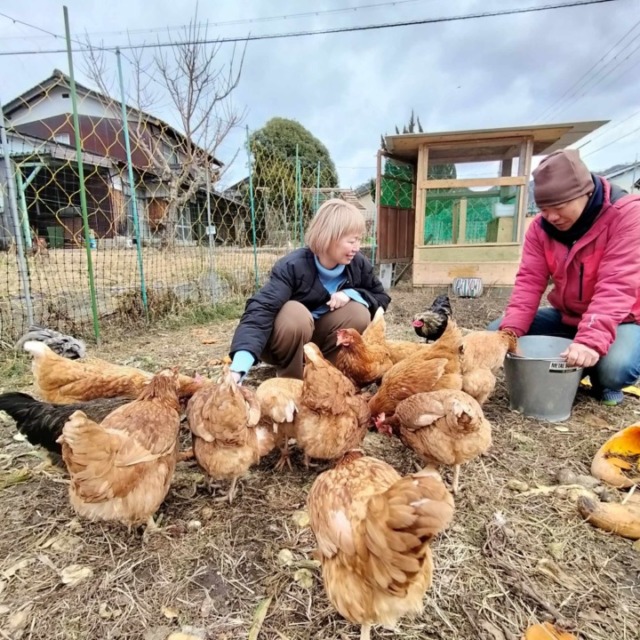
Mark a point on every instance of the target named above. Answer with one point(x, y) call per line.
point(621, 519)
point(546, 631)
point(618, 461)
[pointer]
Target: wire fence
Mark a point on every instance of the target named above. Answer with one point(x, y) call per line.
point(109, 214)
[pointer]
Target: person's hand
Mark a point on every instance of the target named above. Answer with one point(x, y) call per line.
point(579, 355)
point(237, 377)
point(338, 300)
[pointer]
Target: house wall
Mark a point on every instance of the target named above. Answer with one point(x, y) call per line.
point(54, 104)
point(99, 135)
point(367, 202)
point(627, 179)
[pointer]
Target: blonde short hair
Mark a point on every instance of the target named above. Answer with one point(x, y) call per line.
point(334, 220)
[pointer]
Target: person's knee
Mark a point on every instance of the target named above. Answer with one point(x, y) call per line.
point(358, 317)
point(616, 372)
point(295, 321)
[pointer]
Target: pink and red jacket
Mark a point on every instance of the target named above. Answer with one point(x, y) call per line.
point(596, 281)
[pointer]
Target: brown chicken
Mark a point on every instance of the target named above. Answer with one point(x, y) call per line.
point(279, 400)
point(222, 417)
point(443, 427)
point(373, 529)
point(332, 418)
point(401, 349)
point(482, 355)
point(364, 359)
point(121, 469)
point(434, 366)
point(63, 381)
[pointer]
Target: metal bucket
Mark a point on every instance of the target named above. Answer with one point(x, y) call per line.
point(539, 382)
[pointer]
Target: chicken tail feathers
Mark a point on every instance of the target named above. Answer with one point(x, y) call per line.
point(34, 419)
point(399, 525)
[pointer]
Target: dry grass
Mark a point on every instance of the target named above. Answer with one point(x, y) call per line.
point(176, 279)
point(508, 560)
point(66, 269)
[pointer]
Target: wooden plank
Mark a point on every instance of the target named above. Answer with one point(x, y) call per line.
point(510, 181)
point(473, 253)
point(474, 142)
point(420, 199)
point(492, 273)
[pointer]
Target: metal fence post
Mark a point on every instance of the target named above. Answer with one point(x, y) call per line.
point(253, 213)
point(318, 190)
point(13, 207)
point(299, 194)
point(83, 192)
point(132, 186)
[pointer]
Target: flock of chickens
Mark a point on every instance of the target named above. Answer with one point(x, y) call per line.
point(117, 429)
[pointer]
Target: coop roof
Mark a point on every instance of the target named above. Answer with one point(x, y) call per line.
point(484, 145)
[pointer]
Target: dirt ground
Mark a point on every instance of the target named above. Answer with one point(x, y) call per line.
point(512, 557)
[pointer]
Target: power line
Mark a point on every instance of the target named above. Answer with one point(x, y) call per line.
point(292, 16)
point(577, 85)
point(300, 34)
point(604, 146)
point(606, 131)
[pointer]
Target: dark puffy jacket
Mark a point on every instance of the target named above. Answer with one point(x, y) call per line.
point(295, 277)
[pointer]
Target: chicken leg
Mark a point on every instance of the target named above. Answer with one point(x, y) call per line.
point(456, 479)
point(365, 632)
point(230, 495)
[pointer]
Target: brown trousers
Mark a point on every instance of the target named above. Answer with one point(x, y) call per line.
point(294, 326)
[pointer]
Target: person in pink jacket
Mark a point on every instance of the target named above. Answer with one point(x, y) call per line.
point(586, 240)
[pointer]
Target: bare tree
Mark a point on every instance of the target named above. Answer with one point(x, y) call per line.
point(194, 82)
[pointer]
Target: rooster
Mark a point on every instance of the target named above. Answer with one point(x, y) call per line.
point(431, 324)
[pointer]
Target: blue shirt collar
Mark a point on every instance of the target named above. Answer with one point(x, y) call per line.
point(328, 273)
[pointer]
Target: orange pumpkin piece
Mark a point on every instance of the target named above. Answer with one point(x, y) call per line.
point(618, 460)
point(546, 631)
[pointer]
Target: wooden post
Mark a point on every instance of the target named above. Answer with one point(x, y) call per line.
point(462, 221)
point(376, 235)
point(524, 169)
point(420, 201)
point(506, 167)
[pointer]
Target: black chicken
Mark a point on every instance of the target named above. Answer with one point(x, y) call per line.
point(41, 423)
point(430, 324)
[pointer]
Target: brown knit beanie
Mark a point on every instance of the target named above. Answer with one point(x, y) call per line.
point(561, 177)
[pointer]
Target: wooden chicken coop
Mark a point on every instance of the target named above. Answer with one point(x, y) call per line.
point(457, 204)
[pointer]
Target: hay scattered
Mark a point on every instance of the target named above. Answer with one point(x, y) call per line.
point(513, 556)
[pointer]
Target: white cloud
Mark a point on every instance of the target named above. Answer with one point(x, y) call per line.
point(349, 88)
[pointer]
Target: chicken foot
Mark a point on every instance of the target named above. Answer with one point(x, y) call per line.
point(231, 494)
point(308, 464)
point(284, 460)
point(365, 632)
